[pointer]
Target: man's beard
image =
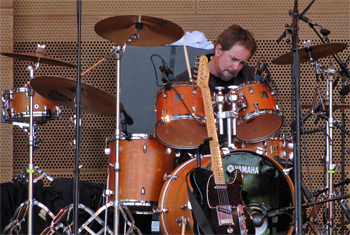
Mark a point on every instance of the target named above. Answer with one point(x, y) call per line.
point(225, 78)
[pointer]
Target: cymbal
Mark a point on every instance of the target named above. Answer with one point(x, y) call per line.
point(317, 52)
point(63, 92)
point(152, 31)
point(335, 106)
point(38, 57)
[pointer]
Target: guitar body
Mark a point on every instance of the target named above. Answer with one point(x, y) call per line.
point(206, 192)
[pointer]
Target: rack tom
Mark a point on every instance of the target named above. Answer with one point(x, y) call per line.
point(258, 114)
point(180, 116)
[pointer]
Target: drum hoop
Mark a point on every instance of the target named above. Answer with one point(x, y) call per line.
point(250, 83)
point(257, 113)
point(35, 114)
point(137, 136)
point(177, 84)
point(177, 117)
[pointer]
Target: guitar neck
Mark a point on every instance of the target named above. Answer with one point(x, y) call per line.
point(202, 82)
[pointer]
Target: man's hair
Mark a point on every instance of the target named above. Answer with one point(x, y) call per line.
point(236, 34)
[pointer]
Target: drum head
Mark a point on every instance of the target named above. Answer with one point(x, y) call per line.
point(265, 188)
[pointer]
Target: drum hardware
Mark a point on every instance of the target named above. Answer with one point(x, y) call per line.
point(23, 175)
point(14, 227)
point(64, 214)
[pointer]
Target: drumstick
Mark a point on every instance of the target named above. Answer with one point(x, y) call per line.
point(187, 62)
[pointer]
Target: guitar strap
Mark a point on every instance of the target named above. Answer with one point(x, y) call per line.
point(197, 209)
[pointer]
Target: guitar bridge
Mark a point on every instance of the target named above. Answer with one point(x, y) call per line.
point(224, 214)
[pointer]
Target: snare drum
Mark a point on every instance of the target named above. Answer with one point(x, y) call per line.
point(16, 107)
point(259, 116)
point(143, 164)
point(180, 116)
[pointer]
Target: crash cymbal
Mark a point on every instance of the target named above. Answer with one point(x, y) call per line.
point(152, 31)
point(335, 106)
point(317, 52)
point(63, 91)
point(38, 57)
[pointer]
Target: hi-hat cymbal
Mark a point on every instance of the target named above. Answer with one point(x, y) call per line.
point(63, 92)
point(38, 57)
point(317, 52)
point(151, 31)
point(335, 106)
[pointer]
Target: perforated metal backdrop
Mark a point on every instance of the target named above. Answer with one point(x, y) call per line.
point(54, 23)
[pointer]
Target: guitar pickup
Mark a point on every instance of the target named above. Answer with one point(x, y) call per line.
point(224, 214)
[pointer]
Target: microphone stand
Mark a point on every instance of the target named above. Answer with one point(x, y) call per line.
point(329, 165)
point(297, 158)
point(77, 126)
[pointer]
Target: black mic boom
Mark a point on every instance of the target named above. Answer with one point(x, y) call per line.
point(307, 20)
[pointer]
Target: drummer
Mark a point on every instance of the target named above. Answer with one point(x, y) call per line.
point(228, 65)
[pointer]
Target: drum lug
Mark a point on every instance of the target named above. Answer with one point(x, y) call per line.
point(164, 95)
point(166, 177)
point(168, 151)
point(158, 211)
point(259, 150)
point(194, 90)
point(256, 105)
point(108, 193)
point(187, 206)
point(241, 102)
point(12, 112)
point(251, 91)
point(36, 106)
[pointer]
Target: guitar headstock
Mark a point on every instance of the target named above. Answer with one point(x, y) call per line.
point(202, 72)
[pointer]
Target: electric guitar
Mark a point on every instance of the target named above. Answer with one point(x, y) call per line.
point(221, 202)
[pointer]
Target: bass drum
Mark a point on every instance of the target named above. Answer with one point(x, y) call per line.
point(174, 202)
point(265, 188)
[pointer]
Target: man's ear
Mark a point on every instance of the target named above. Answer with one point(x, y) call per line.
point(218, 49)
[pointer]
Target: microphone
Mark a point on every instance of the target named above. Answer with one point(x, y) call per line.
point(306, 116)
point(307, 20)
point(128, 119)
point(258, 71)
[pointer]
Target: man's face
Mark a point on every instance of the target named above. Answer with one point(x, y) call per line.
point(230, 62)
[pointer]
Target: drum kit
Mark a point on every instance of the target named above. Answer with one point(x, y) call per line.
point(142, 177)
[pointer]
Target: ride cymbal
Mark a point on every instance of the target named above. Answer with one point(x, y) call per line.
point(38, 57)
point(62, 91)
point(144, 31)
point(317, 52)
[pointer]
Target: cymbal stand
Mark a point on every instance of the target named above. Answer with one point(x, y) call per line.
point(118, 55)
point(329, 166)
point(31, 170)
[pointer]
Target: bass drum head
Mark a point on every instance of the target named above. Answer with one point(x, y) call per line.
point(265, 188)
